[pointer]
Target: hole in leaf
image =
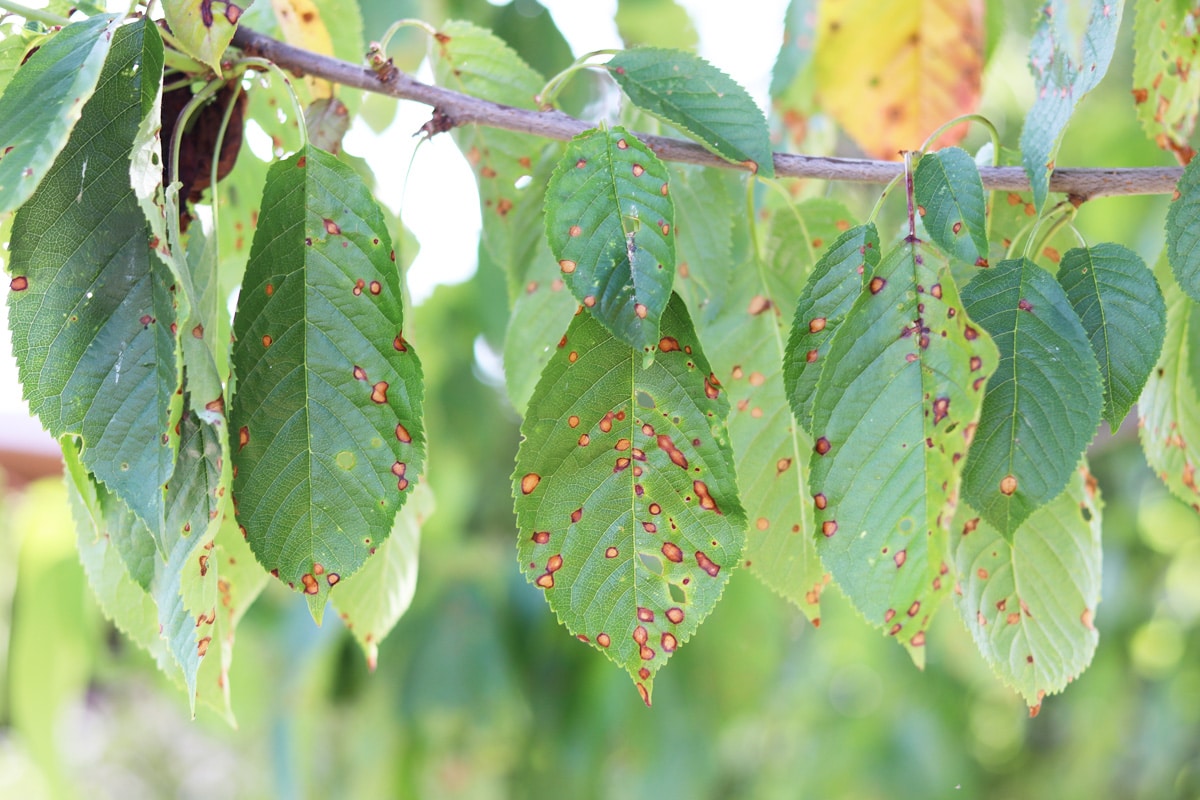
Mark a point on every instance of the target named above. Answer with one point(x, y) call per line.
point(644, 400)
point(523, 181)
point(652, 563)
point(677, 593)
point(1086, 513)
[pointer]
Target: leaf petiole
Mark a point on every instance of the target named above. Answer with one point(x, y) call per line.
point(546, 97)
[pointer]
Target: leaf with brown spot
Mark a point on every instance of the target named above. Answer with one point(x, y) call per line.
point(891, 470)
point(314, 481)
point(1047, 574)
point(592, 498)
point(622, 255)
point(202, 27)
point(1169, 406)
point(947, 185)
point(1166, 61)
point(1042, 404)
point(891, 72)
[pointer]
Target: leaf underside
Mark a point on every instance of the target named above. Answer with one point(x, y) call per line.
point(625, 493)
point(326, 422)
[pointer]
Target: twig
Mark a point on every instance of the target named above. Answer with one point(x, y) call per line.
point(1080, 184)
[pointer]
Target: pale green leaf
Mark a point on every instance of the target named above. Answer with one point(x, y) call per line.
point(704, 219)
point(951, 202)
point(663, 23)
point(326, 420)
point(1117, 299)
point(382, 591)
point(796, 52)
point(1169, 407)
point(609, 220)
point(625, 493)
point(893, 414)
point(1064, 69)
point(1166, 52)
point(204, 28)
point(1030, 600)
point(540, 312)
point(834, 284)
point(15, 43)
point(1043, 403)
point(686, 91)
point(91, 313)
point(1183, 231)
point(44, 101)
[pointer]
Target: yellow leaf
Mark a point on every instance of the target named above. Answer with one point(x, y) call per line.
point(302, 26)
point(891, 71)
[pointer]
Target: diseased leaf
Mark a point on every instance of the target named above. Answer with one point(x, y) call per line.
point(327, 120)
point(951, 202)
point(834, 284)
point(893, 414)
point(770, 450)
point(204, 28)
point(796, 52)
point(609, 220)
point(327, 416)
point(1030, 600)
point(662, 23)
point(1064, 70)
point(625, 493)
point(328, 28)
point(891, 72)
point(1166, 52)
point(1183, 231)
point(1042, 404)
point(373, 603)
point(704, 221)
point(539, 313)
point(700, 100)
point(91, 313)
point(1123, 314)
point(44, 101)
point(474, 61)
point(1169, 407)
point(15, 43)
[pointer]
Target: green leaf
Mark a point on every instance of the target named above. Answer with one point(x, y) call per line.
point(1029, 600)
point(204, 28)
point(834, 284)
point(1166, 51)
point(625, 493)
point(1064, 70)
point(1169, 407)
point(609, 220)
point(664, 23)
point(474, 61)
point(44, 102)
point(1122, 310)
point(382, 591)
point(1183, 231)
point(1042, 404)
point(15, 43)
point(91, 313)
point(327, 414)
point(704, 220)
point(893, 415)
point(950, 198)
point(796, 52)
point(540, 312)
point(770, 450)
point(686, 91)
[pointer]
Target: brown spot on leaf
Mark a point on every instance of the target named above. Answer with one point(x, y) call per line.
point(816, 325)
point(577, 514)
point(640, 635)
point(706, 499)
point(574, 230)
point(669, 642)
point(530, 482)
point(331, 227)
point(918, 640)
point(822, 446)
point(379, 392)
point(310, 583)
point(940, 407)
point(243, 437)
point(876, 286)
point(675, 615)
point(360, 374)
point(584, 440)
point(668, 344)
point(402, 434)
point(1008, 485)
point(706, 564)
point(640, 310)
point(216, 406)
point(645, 614)
point(567, 265)
point(829, 528)
point(611, 552)
point(982, 573)
point(545, 581)
point(820, 500)
point(672, 552)
point(1024, 305)
point(900, 557)
point(1013, 618)
point(573, 421)
point(674, 453)
point(811, 356)
point(638, 169)
point(711, 385)
point(541, 537)
point(758, 304)
point(603, 640)
point(398, 344)
point(1086, 619)
point(19, 283)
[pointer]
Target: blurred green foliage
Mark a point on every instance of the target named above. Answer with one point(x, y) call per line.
point(480, 694)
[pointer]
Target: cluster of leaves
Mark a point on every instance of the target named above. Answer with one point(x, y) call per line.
point(917, 431)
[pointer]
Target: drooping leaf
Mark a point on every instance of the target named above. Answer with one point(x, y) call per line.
point(1030, 600)
point(660, 23)
point(1118, 301)
point(1169, 406)
point(474, 61)
point(1166, 52)
point(529, 257)
point(609, 221)
point(686, 91)
point(15, 43)
point(770, 450)
point(1183, 231)
point(539, 313)
point(834, 284)
point(1042, 404)
point(204, 28)
point(328, 28)
point(44, 101)
point(91, 313)
point(951, 202)
point(796, 52)
point(327, 120)
point(891, 72)
point(1064, 70)
point(326, 422)
point(373, 603)
point(625, 493)
point(893, 414)
point(704, 221)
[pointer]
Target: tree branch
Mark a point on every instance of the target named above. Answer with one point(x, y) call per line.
point(453, 109)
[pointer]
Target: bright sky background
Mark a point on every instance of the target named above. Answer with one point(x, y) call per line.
point(441, 205)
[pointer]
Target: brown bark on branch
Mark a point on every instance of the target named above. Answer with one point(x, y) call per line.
point(454, 109)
